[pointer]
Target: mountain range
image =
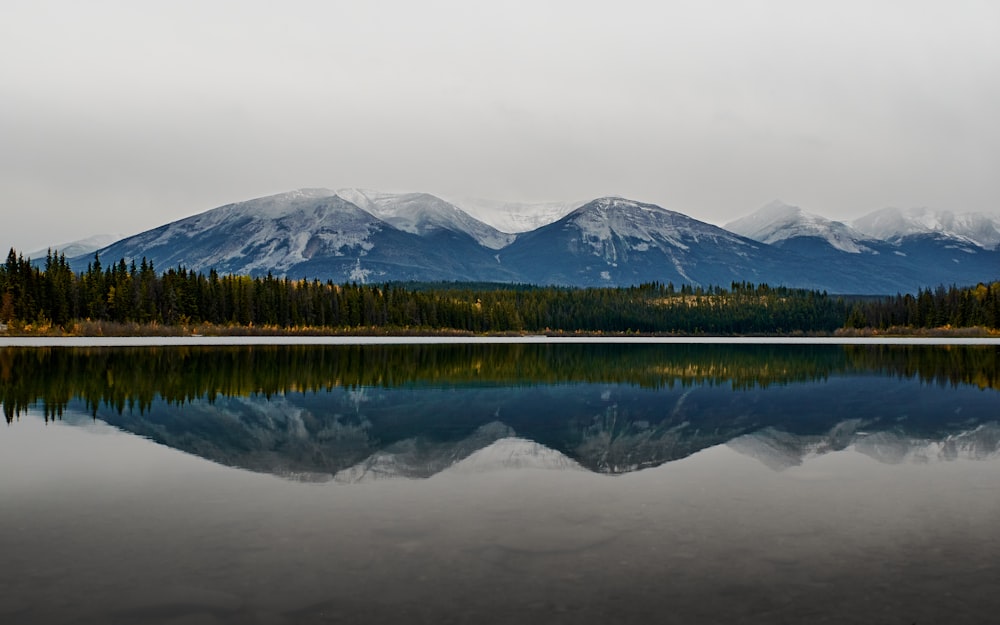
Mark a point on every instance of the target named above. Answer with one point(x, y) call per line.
point(371, 236)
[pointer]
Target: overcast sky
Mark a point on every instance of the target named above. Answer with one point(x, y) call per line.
point(119, 116)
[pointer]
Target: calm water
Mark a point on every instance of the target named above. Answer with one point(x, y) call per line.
point(487, 483)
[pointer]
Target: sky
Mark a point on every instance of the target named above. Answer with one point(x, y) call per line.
point(120, 116)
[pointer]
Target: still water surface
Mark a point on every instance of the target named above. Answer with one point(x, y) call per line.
point(501, 483)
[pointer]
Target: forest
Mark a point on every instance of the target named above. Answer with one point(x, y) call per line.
point(50, 295)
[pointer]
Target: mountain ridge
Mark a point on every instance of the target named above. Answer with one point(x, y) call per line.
point(777, 222)
point(892, 224)
point(364, 235)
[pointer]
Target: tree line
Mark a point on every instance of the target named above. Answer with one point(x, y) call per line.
point(51, 293)
point(977, 306)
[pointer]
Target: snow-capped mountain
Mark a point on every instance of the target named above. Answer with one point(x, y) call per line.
point(887, 251)
point(422, 213)
point(516, 217)
point(892, 224)
point(79, 247)
point(317, 233)
point(357, 235)
point(777, 223)
point(612, 241)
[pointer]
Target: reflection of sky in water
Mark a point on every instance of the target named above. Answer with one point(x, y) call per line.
point(841, 497)
point(100, 526)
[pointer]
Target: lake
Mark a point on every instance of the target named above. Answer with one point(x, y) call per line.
point(501, 482)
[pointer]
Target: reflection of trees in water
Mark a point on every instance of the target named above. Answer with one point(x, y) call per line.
point(360, 412)
point(132, 378)
point(942, 364)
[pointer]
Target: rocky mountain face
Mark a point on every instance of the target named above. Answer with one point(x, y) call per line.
point(315, 233)
point(370, 236)
point(614, 241)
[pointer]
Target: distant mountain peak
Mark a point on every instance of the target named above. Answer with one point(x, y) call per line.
point(616, 203)
point(279, 204)
point(79, 247)
point(895, 223)
point(423, 213)
point(777, 221)
point(613, 240)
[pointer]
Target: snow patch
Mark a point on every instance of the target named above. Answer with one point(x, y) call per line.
point(358, 274)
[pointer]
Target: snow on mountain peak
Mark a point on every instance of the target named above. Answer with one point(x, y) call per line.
point(281, 204)
point(646, 223)
point(894, 223)
point(422, 213)
point(777, 221)
point(274, 232)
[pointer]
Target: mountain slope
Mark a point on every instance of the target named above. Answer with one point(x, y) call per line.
point(613, 241)
point(778, 223)
point(354, 235)
point(893, 223)
point(912, 255)
point(422, 213)
point(308, 233)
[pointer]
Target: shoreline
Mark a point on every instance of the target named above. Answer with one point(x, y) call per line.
point(236, 341)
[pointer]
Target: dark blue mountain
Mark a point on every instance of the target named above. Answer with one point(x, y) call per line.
point(911, 256)
point(310, 233)
point(378, 237)
point(614, 241)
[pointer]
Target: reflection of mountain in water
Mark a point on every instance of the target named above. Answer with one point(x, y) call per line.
point(360, 413)
point(355, 435)
point(781, 450)
point(411, 459)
